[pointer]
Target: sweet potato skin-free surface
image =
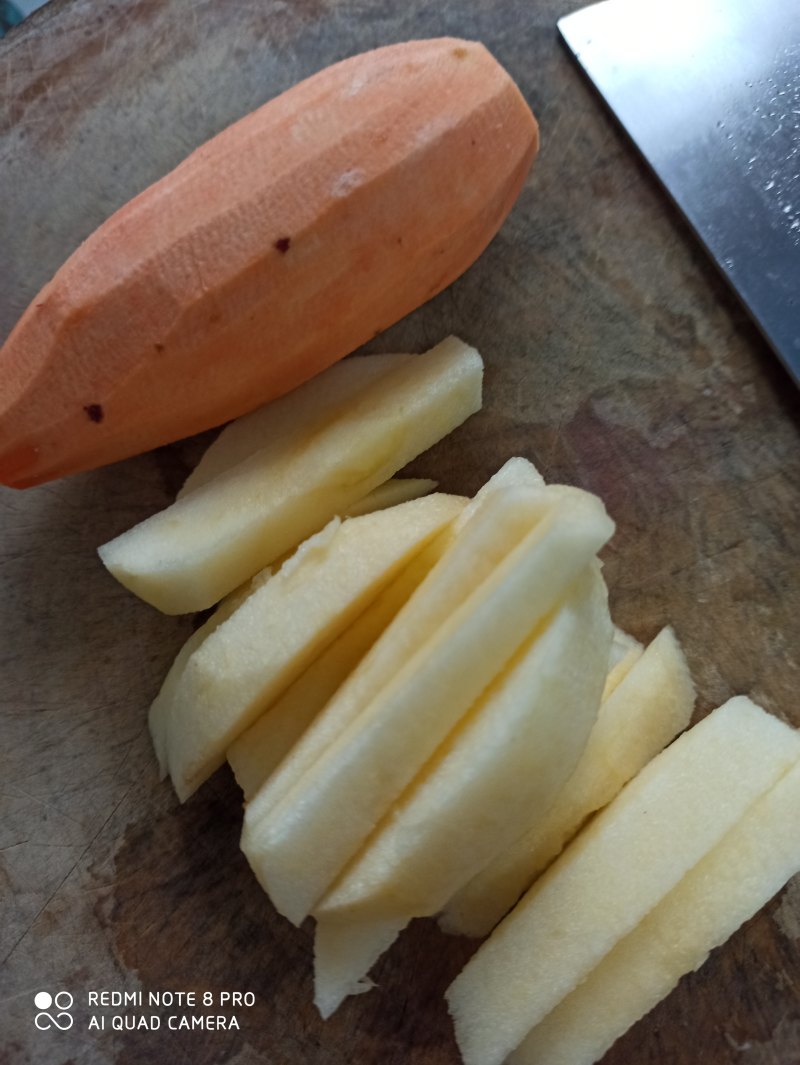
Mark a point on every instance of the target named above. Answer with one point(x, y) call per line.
point(273, 250)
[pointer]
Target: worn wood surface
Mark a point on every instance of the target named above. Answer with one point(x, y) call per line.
point(616, 360)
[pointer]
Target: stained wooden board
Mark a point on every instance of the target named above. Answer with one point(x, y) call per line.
point(615, 360)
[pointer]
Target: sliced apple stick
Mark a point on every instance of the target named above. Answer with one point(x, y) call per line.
point(162, 704)
point(389, 494)
point(344, 952)
point(510, 754)
point(299, 846)
point(258, 751)
point(279, 428)
point(348, 943)
point(190, 555)
point(663, 822)
point(735, 879)
point(252, 657)
point(514, 473)
point(488, 527)
point(625, 651)
point(644, 712)
point(255, 755)
point(264, 743)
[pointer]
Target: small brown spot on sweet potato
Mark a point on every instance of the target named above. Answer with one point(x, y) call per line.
point(460, 52)
point(94, 412)
point(283, 244)
point(159, 348)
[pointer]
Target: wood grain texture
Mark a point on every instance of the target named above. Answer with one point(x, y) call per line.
point(616, 360)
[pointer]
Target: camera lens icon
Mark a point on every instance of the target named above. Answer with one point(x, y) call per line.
point(62, 1001)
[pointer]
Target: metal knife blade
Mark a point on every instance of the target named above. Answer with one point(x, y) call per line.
point(709, 91)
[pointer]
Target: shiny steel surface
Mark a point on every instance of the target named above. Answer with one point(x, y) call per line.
point(709, 91)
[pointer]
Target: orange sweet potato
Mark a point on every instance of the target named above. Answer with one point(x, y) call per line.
point(276, 248)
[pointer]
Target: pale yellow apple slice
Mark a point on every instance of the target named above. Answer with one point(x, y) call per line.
point(389, 494)
point(190, 555)
point(252, 657)
point(162, 704)
point(646, 709)
point(259, 750)
point(281, 427)
point(344, 952)
point(625, 651)
point(508, 756)
point(735, 879)
point(256, 754)
point(488, 527)
point(614, 873)
point(300, 845)
point(515, 472)
point(348, 943)
point(286, 722)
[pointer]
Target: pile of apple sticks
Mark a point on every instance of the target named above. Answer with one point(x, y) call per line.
point(426, 704)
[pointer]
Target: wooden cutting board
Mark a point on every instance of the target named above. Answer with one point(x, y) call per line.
point(615, 360)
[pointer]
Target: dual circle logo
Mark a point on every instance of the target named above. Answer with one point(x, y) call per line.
point(61, 1002)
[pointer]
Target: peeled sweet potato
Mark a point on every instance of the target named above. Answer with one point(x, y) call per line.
point(273, 250)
